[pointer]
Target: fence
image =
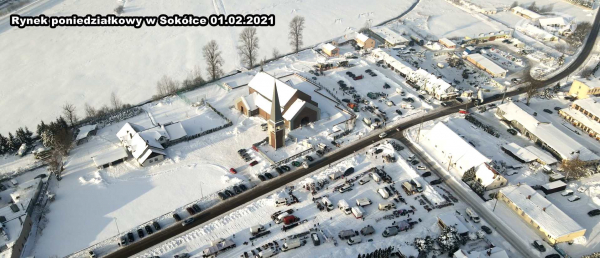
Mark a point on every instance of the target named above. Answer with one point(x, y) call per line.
point(191, 137)
point(293, 157)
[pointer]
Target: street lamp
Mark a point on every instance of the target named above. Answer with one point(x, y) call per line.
point(201, 193)
point(118, 231)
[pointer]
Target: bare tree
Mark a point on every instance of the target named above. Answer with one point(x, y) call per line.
point(531, 91)
point(296, 29)
point(213, 58)
point(115, 101)
point(367, 26)
point(514, 4)
point(194, 78)
point(89, 110)
point(248, 48)
point(275, 53)
point(165, 86)
point(69, 112)
point(575, 168)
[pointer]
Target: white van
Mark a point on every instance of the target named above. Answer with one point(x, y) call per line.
point(256, 229)
point(354, 240)
point(327, 203)
point(267, 253)
point(280, 217)
point(386, 206)
point(383, 193)
point(473, 215)
point(363, 202)
point(375, 177)
point(358, 212)
point(291, 244)
point(280, 202)
point(417, 185)
point(343, 206)
point(14, 182)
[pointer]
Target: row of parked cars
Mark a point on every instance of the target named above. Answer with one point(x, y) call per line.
point(130, 237)
point(236, 189)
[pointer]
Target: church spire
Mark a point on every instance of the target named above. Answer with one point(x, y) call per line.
point(275, 107)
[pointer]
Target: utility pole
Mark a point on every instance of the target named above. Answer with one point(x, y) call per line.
point(420, 126)
point(494, 209)
point(504, 94)
point(118, 231)
point(449, 162)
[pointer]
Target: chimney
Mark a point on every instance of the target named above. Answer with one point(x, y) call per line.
point(544, 209)
point(528, 197)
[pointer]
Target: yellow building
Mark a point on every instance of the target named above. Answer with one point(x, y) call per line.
point(551, 223)
point(584, 88)
point(364, 41)
point(585, 114)
point(330, 50)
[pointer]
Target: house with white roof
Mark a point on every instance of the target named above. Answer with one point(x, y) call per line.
point(144, 145)
point(584, 88)
point(390, 37)
point(449, 219)
point(297, 107)
point(551, 223)
point(364, 41)
point(463, 156)
point(528, 154)
point(330, 49)
point(437, 87)
point(526, 13)
point(447, 43)
point(544, 133)
point(392, 61)
point(486, 65)
point(584, 114)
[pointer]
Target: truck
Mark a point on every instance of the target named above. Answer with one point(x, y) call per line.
point(290, 219)
point(267, 253)
point(346, 234)
point(327, 203)
point(344, 207)
point(217, 247)
point(408, 187)
point(473, 215)
point(280, 202)
point(390, 231)
point(383, 193)
point(256, 229)
point(386, 206)
point(335, 175)
point(358, 212)
point(292, 244)
point(363, 202)
point(375, 177)
point(280, 217)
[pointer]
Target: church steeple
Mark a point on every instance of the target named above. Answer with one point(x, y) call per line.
point(276, 122)
point(275, 107)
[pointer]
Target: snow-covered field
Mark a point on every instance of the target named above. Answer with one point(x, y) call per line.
point(84, 65)
point(235, 225)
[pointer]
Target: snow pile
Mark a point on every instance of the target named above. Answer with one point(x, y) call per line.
point(95, 179)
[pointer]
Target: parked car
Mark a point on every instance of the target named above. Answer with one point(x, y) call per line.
point(91, 254)
point(156, 225)
point(436, 182)
point(553, 256)
point(548, 111)
point(415, 162)
point(309, 158)
point(567, 193)
point(421, 167)
point(229, 193)
point(286, 168)
point(196, 208)
point(539, 246)
point(574, 198)
point(236, 189)
point(268, 176)
point(148, 229)
point(222, 196)
point(594, 212)
point(354, 240)
point(368, 230)
point(261, 177)
point(356, 78)
point(190, 210)
point(243, 187)
point(279, 170)
point(398, 111)
point(382, 135)
point(486, 229)
point(253, 163)
point(233, 171)
point(187, 222)
point(315, 239)
point(426, 174)
point(130, 237)
point(512, 131)
point(183, 255)
point(176, 217)
point(363, 181)
point(123, 241)
point(240, 151)
point(140, 232)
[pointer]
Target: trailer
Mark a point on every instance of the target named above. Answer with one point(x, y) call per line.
point(218, 247)
point(292, 244)
point(335, 175)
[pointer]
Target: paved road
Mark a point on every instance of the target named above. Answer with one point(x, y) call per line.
point(264, 188)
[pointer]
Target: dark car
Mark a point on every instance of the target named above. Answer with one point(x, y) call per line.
point(309, 158)
point(286, 168)
point(421, 97)
point(426, 174)
point(222, 196)
point(123, 241)
point(553, 256)
point(236, 189)
point(140, 232)
point(261, 177)
point(190, 210)
point(279, 170)
point(593, 213)
point(445, 104)
point(557, 108)
point(229, 193)
point(346, 100)
point(176, 217)
point(512, 131)
point(148, 229)
point(243, 187)
point(196, 208)
point(130, 237)
point(539, 246)
point(240, 151)
point(486, 229)
point(548, 111)
point(41, 176)
point(415, 162)
point(268, 176)
point(459, 100)
point(435, 182)
point(187, 222)
point(156, 225)
point(398, 111)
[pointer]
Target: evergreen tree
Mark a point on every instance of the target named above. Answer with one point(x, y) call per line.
point(13, 143)
point(40, 128)
point(3, 144)
point(28, 136)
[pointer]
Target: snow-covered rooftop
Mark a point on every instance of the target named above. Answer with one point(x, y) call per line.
point(591, 105)
point(362, 37)
point(560, 21)
point(329, 47)
point(109, 156)
point(294, 109)
point(583, 119)
point(431, 83)
point(565, 146)
point(542, 155)
point(463, 155)
point(175, 131)
point(531, 14)
point(84, 131)
point(555, 184)
point(549, 217)
point(447, 42)
point(392, 60)
point(13, 220)
point(593, 83)
point(488, 64)
point(389, 35)
point(263, 84)
point(494, 252)
point(450, 219)
point(522, 153)
point(486, 174)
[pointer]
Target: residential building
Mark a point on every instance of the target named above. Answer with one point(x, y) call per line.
point(490, 36)
point(494, 252)
point(390, 37)
point(585, 88)
point(447, 43)
point(486, 65)
point(528, 154)
point(526, 13)
point(330, 50)
point(535, 127)
point(392, 61)
point(551, 223)
point(297, 107)
point(449, 219)
point(145, 145)
point(434, 86)
point(109, 158)
point(584, 114)
point(364, 41)
point(463, 156)
point(553, 22)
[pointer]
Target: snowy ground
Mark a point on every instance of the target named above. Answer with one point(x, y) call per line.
point(532, 175)
point(237, 222)
point(84, 65)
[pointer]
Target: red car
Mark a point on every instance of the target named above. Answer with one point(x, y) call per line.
point(356, 78)
point(253, 163)
point(462, 111)
point(233, 171)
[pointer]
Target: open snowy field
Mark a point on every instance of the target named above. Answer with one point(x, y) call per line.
point(84, 65)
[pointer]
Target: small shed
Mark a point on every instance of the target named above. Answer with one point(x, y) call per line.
point(84, 132)
point(330, 50)
point(553, 187)
point(110, 158)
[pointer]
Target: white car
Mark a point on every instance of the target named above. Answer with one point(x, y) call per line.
point(382, 135)
point(421, 167)
point(363, 181)
point(354, 240)
point(574, 198)
point(567, 193)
